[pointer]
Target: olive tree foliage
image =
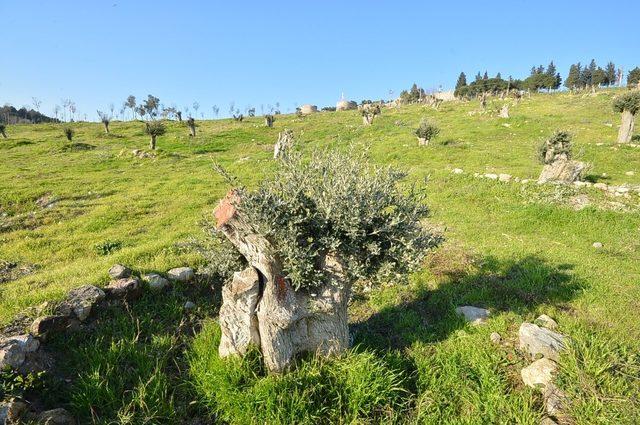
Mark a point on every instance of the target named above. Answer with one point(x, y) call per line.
point(340, 204)
point(557, 147)
point(628, 105)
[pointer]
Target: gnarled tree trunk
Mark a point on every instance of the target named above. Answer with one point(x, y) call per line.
point(152, 142)
point(283, 145)
point(261, 307)
point(626, 129)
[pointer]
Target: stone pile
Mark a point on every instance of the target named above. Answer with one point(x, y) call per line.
point(22, 351)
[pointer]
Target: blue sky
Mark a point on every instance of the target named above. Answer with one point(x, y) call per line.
point(292, 52)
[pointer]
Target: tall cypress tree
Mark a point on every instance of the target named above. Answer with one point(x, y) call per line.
point(462, 81)
point(611, 74)
point(573, 79)
point(485, 76)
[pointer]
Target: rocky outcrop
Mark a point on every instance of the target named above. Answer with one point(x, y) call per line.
point(562, 171)
point(536, 341)
point(181, 274)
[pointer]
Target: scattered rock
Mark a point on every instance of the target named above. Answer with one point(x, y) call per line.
point(45, 324)
point(548, 421)
point(56, 417)
point(458, 171)
point(553, 400)
point(118, 271)
point(525, 181)
point(491, 176)
point(539, 373)
point(189, 305)
point(181, 274)
point(10, 411)
point(124, 288)
point(579, 202)
point(474, 315)
point(597, 245)
point(13, 350)
point(629, 173)
point(81, 300)
point(155, 281)
point(562, 171)
point(546, 322)
point(540, 341)
point(495, 337)
point(504, 177)
point(602, 186)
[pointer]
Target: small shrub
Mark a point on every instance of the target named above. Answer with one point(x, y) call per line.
point(427, 130)
point(627, 102)
point(3, 130)
point(107, 247)
point(559, 145)
point(68, 133)
point(154, 129)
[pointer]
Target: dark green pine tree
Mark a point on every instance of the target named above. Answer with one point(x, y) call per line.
point(551, 77)
point(611, 74)
point(634, 77)
point(462, 81)
point(485, 76)
point(478, 76)
point(534, 70)
point(499, 76)
point(540, 70)
point(573, 79)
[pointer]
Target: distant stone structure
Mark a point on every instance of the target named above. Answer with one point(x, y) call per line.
point(346, 105)
point(308, 109)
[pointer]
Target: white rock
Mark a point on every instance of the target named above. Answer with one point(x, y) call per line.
point(181, 274)
point(118, 271)
point(504, 177)
point(13, 350)
point(525, 181)
point(553, 400)
point(629, 173)
point(597, 245)
point(495, 337)
point(155, 281)
point(540, 341)
point(458, 171)
point(539, 373)
point(602, 186)
point(474, 315)
point(547, 322)
point(491, 176)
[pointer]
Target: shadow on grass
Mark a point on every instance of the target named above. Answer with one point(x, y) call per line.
point(78, 146)
point(500, 286)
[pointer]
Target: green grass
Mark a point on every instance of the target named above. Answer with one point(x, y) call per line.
point(519, 250)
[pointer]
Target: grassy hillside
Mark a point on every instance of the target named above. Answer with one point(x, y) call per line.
point(68, 212)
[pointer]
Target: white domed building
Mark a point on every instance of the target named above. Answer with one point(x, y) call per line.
point(346, 105)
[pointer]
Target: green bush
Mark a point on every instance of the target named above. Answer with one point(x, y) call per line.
point(427, 130)
point(155, 128)
point(627, 102)
point(358, 387)
point(68, 133)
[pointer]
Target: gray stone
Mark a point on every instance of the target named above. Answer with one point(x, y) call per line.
point(562, 171)
point(597, 245)
point(458, 171)
point(81, 300)
point(495, 337)
point(540, 341)
point(181, 274)
point(155, 281)
point(474, 315)
point(118, 271)
point(10, 411)
point(602, 186)
point(504, 177)
point(548, 421)
point(554, 400)
point(45, 324)
point(547, 322)
point(124, 288)
point(56, 417)
point(539, 373)
point(189, 305)
point(491, 176)
point(13, 350)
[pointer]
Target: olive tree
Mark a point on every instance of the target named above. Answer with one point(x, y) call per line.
point(269, 120)
point(556, 155)
point(628, 104)
point(369, 112)
point(105, 119)
point(307, 235)
point(154, 129)
point(3, 130)
point(426, 131)
point(68, 133)
point(191, 123)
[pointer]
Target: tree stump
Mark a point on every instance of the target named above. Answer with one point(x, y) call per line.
point(283, 145)
point(626, 128)
point(562, 170)
point(261, 307)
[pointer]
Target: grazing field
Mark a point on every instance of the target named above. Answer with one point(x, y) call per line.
point(68, 211)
